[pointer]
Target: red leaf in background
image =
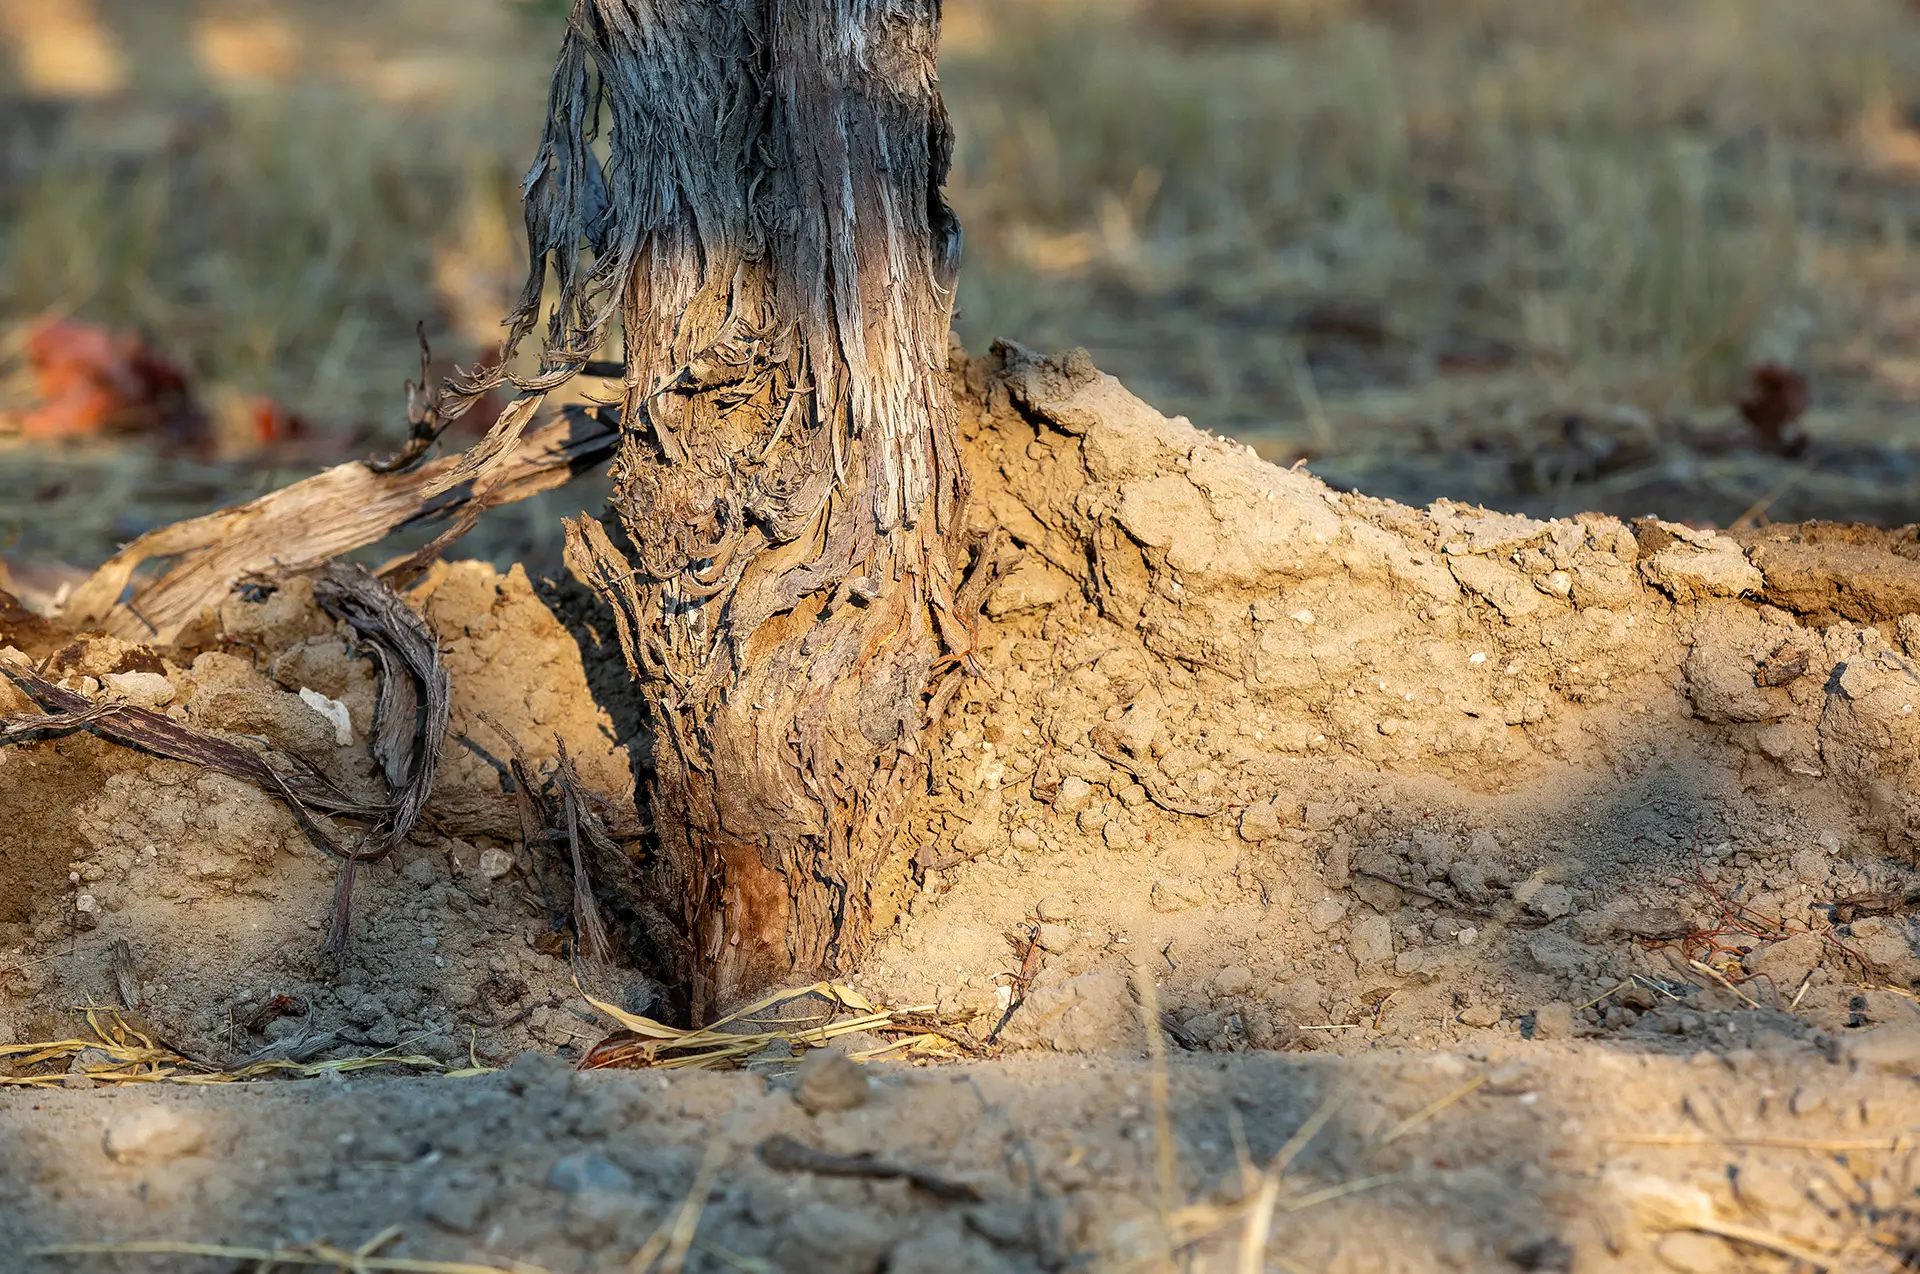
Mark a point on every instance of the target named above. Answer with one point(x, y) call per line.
point(1775, 400)
point(274, 424)
point(91, 380)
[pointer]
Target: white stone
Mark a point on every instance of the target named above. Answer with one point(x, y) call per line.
point(334, 711)
point(152, 1135)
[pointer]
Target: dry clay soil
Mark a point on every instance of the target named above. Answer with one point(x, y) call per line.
point(1479, 872)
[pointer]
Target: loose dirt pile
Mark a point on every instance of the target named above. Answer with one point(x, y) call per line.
point(1576, 850)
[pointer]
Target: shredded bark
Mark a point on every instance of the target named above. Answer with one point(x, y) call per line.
point(410, 729)
point(562, 811)
point(65, 711)
point(411, 710)
point(768, 239)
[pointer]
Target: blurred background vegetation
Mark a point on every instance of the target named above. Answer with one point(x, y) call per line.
point(1512, 251)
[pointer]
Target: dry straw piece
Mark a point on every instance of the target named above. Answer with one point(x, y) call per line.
point(120, 1053)
point(643, 1042)
point(361, 1260)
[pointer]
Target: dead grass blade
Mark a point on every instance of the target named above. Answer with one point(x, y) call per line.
point(320, 1255)
point(311, 522)
point(643, 1042)
point(120, 1053)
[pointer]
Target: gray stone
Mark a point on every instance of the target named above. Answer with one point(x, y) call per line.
point(533, 1073)
point(1594, 926)
point(1472, 880)
point(585, 1170)
point(1557, 953)
point(1546, 900)
point(152, 1135)
point(1383, 896)
point(823, 1238)
point(828, 1080)
point(456, 1204)
point(598, 1217)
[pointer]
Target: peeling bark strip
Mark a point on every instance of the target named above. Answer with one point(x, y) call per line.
point(410, 716)
point(770, 233)
point(302, 526)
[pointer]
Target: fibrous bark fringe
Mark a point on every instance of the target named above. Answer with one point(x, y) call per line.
point(769, 237)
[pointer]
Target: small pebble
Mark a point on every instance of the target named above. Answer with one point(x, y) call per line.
point(152, 1135)
point(1235, 979)
point(1054, 938)
point(495, 863)
point(582, 1171)
point(1054, 909)
point(1553, 1021)
point(828, 1080)
point(1480, 1015)
point(1075, 795)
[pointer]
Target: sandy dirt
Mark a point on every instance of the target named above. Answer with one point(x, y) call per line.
point(1561, 867)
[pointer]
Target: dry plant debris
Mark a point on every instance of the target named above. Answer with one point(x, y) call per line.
point(361, 1260)
point(643, 1042)
point(119, 1052)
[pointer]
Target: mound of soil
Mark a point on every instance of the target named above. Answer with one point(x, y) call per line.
point(1560, 864)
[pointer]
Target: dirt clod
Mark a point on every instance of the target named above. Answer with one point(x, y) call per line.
point(827, 1082)
point(151, 1136)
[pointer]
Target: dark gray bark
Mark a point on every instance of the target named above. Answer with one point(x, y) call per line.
point(769, 235)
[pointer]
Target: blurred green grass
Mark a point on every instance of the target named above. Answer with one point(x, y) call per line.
point(1293, 220)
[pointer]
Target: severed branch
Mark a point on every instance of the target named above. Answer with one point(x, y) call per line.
point(303, 526)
